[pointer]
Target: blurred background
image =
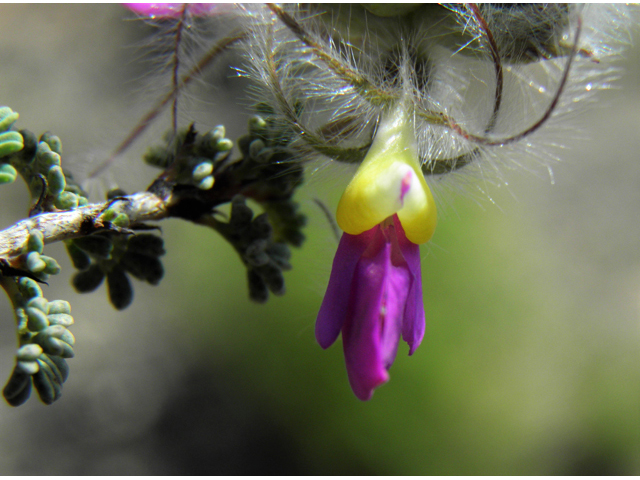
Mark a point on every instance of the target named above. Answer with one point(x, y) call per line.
point(531, 359)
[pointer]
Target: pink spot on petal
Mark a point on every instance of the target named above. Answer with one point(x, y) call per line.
point(406, 185)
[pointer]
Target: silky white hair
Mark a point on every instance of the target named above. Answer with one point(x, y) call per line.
point(328, 73)
point(491, 87)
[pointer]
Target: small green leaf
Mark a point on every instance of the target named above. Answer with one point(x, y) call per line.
point(109, 214)
point(224, 145)
point(218, 133)
point(29, 288)
point(201, 171)
point(53, 141)
point(5, 179)
point(10, 142)
point(18, 388)
point(206, 183)
point(88, 280)
point(35, 264)
point(255, 147)
point(52, 266)
point(37, 319)
point(257, 124)
point(56, 340)
point(7, 173)
point(28, 367)
point(55, 366)
point(47, 158)
point(146, 244)
point(58, 306)
point(119, 287)
point(35, 243)
point(56, 181)
point(273, 278)
point(97, 245)
point(61, 367)
point(40, 303)
point(143, 267)
point(121, 220)
point(48, 390)
point(29, 352)
point(60, 319)
point(258, 291)
point(7, 118)
point(78, 257)
point(66, 201)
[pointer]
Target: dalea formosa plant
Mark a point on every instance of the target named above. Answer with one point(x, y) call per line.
point(411, 97)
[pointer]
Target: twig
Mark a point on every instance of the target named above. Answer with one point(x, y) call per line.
point(64, 225)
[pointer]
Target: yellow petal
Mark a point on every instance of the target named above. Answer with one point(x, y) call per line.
point(390, 180)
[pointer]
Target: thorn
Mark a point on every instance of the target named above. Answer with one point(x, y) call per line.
point(37, 209)
point(7, 270)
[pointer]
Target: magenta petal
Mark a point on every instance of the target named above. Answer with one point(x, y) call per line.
point(333, 310)
point(361, 332)
point(374, 296)
point(372, 330)
point(414, 319)
point(174, 10)
point(156, 9)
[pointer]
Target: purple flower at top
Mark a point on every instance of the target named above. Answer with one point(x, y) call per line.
point(374, 297)
point(174, 10)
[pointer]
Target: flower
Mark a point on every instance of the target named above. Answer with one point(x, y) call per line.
point(175, 10)
point(374, 295)
point(375, 289)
